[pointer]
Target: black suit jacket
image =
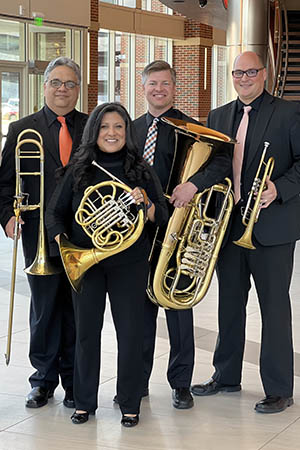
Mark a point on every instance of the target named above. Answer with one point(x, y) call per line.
point(30, 183)
point(278, 122)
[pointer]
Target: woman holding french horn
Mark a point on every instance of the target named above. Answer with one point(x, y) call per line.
point(97, 212)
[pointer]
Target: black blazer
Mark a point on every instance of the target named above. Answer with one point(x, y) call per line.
point(31, 184)
point(278, 122)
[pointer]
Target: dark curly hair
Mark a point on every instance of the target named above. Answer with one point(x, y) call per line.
point(134, 166)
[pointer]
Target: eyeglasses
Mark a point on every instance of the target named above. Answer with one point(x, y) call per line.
point(56, 83)
point(251, 73)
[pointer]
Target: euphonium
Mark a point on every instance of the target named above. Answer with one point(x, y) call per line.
point(252, 209)
point(111, 219)
point(182, 265)
point(41, 264)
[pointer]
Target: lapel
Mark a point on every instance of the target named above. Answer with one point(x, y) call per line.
point(79, 123)
point(228, 119)
point(48, 143)
point(263, 118)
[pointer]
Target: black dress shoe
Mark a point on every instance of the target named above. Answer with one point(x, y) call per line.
point(130, 421)
point(37, 397)
point(144, 394)
point(212, 387)
point(273, 404)
point(69, 400)
point(79, 418)
point(182, 398)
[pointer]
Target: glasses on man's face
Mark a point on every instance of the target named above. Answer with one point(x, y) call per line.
point(56, 83)
point(251, 73)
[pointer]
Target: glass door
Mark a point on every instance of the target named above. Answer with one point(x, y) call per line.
point(10, 98)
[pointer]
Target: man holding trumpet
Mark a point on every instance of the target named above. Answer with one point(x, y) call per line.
point(256, 119)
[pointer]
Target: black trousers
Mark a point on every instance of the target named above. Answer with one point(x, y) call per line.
point(125, 286)
point(182, 347)
point(52, 326)
point(271, 269)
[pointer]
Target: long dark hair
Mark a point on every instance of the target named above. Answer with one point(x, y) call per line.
point(134, 166)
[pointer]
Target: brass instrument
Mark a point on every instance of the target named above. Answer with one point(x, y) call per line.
point(183, 264)
point(252, 209)
point(113, 222)
point(41, 264)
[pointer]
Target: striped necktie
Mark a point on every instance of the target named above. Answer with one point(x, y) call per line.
point(150, 143)
point(65, 141)
point(238, 154)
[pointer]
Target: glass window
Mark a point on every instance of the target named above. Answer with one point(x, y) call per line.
point(128, 3)
point(10, 100)
point(141, 60)
point(161, 49)
point(11, 41)
point(47, 43)
point(103, 67)
point(219, 75)
point(122, 57)
point(156, 6)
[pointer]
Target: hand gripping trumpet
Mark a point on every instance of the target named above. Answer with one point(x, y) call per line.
point(111, 219)
point(41, 264)
point(252, 209)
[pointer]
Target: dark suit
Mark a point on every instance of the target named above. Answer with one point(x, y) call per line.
point(52, 331)
point(271, 264)
point(180, 323)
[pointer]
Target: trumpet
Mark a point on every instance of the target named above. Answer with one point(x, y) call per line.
point(252, 209)
point(41, 264)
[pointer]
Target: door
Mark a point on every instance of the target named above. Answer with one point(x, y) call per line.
point(11, 80)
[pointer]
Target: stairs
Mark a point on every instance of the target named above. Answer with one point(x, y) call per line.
point(289, 87)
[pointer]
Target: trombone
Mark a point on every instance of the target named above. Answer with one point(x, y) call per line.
point(41, 264)
point(251, 213)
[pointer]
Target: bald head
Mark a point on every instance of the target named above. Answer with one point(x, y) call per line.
point(249, 88)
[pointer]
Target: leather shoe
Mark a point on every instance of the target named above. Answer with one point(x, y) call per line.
point(79, 418)
point(273, 404)
point(130, 421)
point(69, 400)
point(144, 394)
point(212, 387)
point(182, 398)
point(38, 397)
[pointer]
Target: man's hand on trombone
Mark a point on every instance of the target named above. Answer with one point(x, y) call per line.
point(10, 227)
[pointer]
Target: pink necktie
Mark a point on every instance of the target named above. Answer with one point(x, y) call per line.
point(238, 153)
point(150, 143)
point(65, 141)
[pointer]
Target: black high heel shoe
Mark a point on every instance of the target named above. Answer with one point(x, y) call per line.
point(129, 421)
point(79, 418)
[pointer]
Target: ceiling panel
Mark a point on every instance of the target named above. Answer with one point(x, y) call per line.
point(213, 13)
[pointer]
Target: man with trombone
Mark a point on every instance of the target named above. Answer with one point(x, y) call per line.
point(261, 123)
point(35, 147)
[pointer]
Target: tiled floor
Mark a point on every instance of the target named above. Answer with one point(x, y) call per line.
point(224, 421)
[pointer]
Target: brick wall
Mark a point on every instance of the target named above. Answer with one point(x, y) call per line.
point(189, 62)
point(93, 69)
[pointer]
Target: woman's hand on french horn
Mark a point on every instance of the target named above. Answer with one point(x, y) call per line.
point(139, 195)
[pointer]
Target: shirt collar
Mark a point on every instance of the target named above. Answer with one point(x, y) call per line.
point(254, 105)
point(150, 118)
point(51, 116)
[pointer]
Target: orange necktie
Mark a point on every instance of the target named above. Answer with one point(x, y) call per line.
point(238, 154)
point(65, 141)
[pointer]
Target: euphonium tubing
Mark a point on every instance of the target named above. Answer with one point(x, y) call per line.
point(189, 248)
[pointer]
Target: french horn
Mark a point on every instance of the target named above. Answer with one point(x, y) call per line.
point(109, 216)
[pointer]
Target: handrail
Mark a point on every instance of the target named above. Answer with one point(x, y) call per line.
point(280, 7)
